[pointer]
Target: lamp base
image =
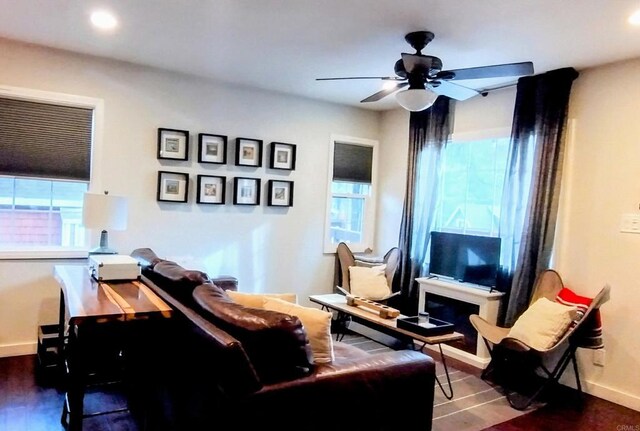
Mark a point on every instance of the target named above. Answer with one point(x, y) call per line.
point(104, 245)
point(102, 250)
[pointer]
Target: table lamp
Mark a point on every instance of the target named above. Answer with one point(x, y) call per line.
point(104, 211)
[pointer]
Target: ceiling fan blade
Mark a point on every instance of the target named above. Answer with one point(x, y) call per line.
point(359, 77)
point(383, 93)
point(495, 71)
point(454, 91)
point(412, 61)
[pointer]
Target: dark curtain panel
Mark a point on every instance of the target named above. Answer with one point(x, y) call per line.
point(429, 132)
point(534, 172)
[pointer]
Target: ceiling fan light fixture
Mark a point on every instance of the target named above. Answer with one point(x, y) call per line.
point(416, 99)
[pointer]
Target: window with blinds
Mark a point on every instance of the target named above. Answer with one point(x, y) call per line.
point(351, 200)
point(45, 167)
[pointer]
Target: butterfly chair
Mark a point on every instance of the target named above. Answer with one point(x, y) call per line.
point(508, 352)
point(347, 259)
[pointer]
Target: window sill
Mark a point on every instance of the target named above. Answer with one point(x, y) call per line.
point(43, 253)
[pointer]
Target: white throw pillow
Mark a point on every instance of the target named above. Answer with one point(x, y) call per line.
point(317, 324)
point(369, 282)
point(542, 324)
point(256, 300)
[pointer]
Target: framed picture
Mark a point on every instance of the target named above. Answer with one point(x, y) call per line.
point(248, 152)
point(173, 144)
point(211, 189)
point(246, 191)
point(280, 193)
point(173, 186)
point(283, 156)
point(212, 148)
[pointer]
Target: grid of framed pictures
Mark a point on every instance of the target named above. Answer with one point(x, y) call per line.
point(173, 144)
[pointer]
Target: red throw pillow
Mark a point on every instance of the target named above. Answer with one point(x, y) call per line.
point(590, 335)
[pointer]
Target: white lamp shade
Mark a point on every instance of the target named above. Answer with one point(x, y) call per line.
point(416, 99)
point(102, 211)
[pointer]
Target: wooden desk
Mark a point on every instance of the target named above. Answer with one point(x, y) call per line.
point(337, 302)
point(86, 304)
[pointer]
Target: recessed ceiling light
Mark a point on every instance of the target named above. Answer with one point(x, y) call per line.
point(104, 20)
point(634, 18)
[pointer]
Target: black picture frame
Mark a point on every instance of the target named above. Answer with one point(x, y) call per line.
point(173, 187)
point(212, 148)
point(280, 193)
point(211, 189)
point(173, 144)
point(246, 191)
point(248, 152)
point(282, 156)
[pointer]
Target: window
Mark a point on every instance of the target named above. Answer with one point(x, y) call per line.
point(37, 212)
point(472, 177)
point(46, 140)
point(351, 197)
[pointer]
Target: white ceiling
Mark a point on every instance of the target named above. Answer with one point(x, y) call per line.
point(283, 45)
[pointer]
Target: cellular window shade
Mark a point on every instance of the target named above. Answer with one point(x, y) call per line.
point(352, 163)
point(44, 140)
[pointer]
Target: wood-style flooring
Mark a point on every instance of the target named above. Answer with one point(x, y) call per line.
point(30, 401)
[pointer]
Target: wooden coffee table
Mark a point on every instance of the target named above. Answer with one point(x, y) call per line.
point(370, 318)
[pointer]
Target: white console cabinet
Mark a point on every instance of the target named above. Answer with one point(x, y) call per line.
point(487, 302)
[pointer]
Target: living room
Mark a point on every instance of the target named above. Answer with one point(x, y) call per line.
point(273, 249)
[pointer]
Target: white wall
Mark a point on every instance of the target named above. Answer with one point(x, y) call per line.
point(392, 177)
point(600, 183)
point(268, 249)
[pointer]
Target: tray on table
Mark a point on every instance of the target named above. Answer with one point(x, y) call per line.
point(429, 328)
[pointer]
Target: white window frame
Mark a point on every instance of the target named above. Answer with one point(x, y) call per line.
point(97, 105)
point(369, 222)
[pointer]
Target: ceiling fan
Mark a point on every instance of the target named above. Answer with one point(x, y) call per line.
point(426, 80)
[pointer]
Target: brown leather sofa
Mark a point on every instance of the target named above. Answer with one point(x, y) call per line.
point(219, 365)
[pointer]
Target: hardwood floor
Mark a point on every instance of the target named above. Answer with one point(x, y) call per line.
point(30, 401)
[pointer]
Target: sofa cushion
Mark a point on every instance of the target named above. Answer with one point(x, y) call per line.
point(276, 343)
point(317, 324)
point(256, 300)
point(176, 280)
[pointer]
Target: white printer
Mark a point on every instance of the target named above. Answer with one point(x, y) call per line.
point(104, 267)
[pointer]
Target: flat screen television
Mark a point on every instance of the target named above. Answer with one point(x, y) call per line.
point(467, 258)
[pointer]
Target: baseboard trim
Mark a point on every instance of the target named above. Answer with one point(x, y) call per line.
point(18, 349)
point(614, 395)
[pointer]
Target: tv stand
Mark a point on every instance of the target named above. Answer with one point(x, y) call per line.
point(488, 303)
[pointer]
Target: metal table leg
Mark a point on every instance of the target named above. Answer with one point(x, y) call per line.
point(342, 323)
point(446, 372)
